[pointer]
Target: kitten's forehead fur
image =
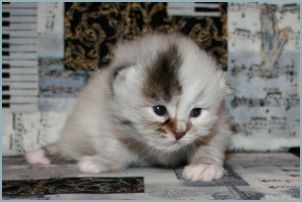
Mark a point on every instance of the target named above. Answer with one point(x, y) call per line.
point(169, 65)
point(161, 80)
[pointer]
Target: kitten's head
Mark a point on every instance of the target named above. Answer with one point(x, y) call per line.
point(166, 91)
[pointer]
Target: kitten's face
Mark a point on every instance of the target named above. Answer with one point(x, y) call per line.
point(173, 102)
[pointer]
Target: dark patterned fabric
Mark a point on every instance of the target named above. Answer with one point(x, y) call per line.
point(73, 185)
point(92, 29)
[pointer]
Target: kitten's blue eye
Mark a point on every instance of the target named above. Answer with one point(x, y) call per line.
point(195, 112)
point(159, 110)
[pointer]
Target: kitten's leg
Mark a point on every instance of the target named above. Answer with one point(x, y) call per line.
point(37, 157)
point(98, 164)
point(114, 157)
point(206, 164)
point(40, 156)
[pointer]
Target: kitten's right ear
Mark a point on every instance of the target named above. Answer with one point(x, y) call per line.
point(118, 72)
point(124, 72)
point(123, 77)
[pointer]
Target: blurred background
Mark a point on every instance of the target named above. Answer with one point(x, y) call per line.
point(49, 51)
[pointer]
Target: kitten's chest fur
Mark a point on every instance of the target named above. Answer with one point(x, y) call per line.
point(151, 156)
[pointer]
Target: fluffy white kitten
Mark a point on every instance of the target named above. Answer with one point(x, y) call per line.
point(159, 103)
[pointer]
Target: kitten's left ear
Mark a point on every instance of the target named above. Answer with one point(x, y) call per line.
point(229, 89)
point(225, 86)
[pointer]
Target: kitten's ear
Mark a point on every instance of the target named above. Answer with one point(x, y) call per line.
point(229, 88)
point(124, 72)
point(225, 86)
point(125, 77)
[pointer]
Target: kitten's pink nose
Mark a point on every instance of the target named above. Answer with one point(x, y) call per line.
point(179, 135)
point(179, 130)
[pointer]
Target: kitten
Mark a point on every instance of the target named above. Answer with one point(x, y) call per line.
point(159, 103)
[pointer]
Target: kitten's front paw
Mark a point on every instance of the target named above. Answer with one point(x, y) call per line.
point(202, 172)
point(37, 157)
point(91, 164)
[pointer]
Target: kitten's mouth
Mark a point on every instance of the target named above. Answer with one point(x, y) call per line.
point(173, 143)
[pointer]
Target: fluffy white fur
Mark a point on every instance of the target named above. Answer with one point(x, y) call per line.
point(94, 137)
